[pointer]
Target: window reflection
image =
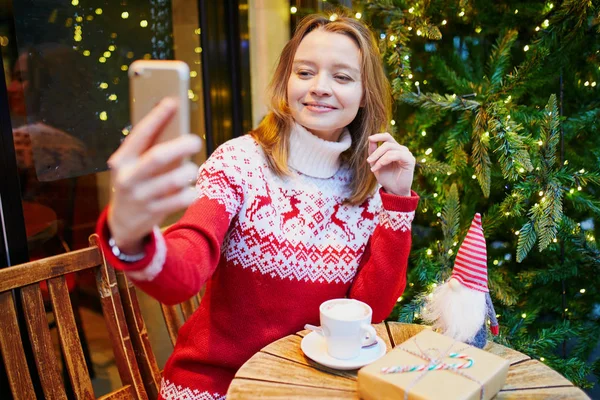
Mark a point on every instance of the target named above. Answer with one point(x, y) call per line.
point(54, 128)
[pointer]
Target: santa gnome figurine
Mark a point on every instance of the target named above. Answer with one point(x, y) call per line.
point(459, 307)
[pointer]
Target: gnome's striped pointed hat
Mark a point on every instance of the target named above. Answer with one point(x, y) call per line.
point(470, 266)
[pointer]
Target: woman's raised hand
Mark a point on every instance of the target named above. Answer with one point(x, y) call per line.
point(392, 164)
point(149, 181)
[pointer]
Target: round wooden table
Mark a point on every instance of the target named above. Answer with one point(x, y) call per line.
point(282, 371)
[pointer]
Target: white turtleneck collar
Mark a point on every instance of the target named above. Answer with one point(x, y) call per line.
point(313, 156)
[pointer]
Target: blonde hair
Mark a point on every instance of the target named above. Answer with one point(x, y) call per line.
point(273, 133)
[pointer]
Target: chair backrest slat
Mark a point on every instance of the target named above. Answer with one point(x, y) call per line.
point(188, 307)
point(110, 299)
point(124, 393)
point(69, 338)
point(46, 268)
point(11, 347)
point(139, 337)
point(172, 320)
point(41, 343)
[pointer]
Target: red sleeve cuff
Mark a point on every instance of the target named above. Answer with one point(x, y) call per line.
point(104, 232)
point(392, 202)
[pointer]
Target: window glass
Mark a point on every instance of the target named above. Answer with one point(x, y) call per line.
point(66, 66)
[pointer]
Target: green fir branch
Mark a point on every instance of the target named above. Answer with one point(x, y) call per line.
point(432, 166)
point(585, 121)
point(527, 238)
point(436, 101)
point(480, 156)
point(451, 216)
point(500, 58)
point(550, 132)
point(450, 78)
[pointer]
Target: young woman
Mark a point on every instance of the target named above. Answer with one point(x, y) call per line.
point(281, 219)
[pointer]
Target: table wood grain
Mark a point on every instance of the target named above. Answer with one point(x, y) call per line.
point(282, 371)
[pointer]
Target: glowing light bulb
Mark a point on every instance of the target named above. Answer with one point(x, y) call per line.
point(86, 53)
point(582, 291)
point(429, 252)
point(124, 15)
point(428, 151)
point(103, 116)
point(392, 122)
point(143, 23)
point(526, 48)
point(333, 17)
point(124, 67)
point(523, 315)
point(358, 15)
point(98, 11)
point(444, 22)
point(293, 10)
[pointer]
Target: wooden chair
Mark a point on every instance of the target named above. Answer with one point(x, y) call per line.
point(174, 317)
point(23, 281)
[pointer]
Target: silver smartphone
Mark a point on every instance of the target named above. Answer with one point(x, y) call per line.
point(152, 80)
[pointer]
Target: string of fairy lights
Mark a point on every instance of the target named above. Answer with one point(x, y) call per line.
point(159, 13)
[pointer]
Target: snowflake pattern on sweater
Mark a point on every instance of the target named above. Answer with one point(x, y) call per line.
point(170, 391)
point(267, 246)
point(283, 220)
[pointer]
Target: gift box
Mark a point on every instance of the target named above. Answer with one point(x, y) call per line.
point(433, 366)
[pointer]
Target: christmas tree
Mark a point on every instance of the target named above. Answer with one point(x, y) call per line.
point(499, 103)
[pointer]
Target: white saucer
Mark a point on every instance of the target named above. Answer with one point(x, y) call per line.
point(315, 348)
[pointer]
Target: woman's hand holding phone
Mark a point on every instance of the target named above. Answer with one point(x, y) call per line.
point(149, 180)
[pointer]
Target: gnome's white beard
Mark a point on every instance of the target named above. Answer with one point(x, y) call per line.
point(459, 314)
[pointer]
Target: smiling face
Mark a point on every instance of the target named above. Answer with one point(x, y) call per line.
point(325, 88)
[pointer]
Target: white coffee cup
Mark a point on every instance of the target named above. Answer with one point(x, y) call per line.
point(346, 326)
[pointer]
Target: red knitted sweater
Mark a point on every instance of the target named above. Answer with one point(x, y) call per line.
point(271, 250)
